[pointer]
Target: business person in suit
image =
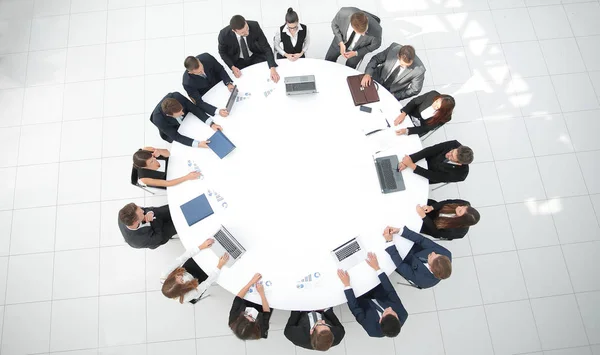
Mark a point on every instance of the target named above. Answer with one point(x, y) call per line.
point(202, 73)
point(146, 227)
point(428, 112)
point(426, 262)
point(398, 69)
point(314, 330)
point(248, 320)
point(151, 165)
point(355, 33)
point(446, 161)
point(170, 113)
point(449, 219)
point(242, 44)
point(291, 41)
point(379, 311)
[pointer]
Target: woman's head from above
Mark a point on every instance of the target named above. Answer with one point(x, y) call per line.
point(145, 159)
point(175, 287)
point(245, 327)
point(291, 20)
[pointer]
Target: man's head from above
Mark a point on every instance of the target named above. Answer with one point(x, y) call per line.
point(359, 22)
point(406, 56)
point(171, 107)
point(462, 155)
point(440, 265)
point(239, 26)
point(131, 215)
point(193, 65)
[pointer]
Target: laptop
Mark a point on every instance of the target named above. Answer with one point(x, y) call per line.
point(226, 243)
point(361, 95)
point(196, 210)
point(232, 98)
point(349, 254)
point(390, 179)
point(298, 85)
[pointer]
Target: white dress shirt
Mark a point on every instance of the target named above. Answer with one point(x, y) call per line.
point(245, 40)
point(354, 40)
point(277, 39)
point(428, 113)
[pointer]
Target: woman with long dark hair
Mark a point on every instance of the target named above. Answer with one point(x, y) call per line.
point(248, 320)
point(151, 165)
point(292, 39)
point(449, 219)
point(428, 111)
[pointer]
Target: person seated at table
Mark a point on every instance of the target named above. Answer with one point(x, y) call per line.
point(185, 281)
point(314, 330)
point(242, 44)
point(202, 73)
point(292, 39)
point(355, 33)
point(448, 219)
point(379, 311)
point(169, 114)
point(151, 164)
point(398, 69)
point(428, 111)
point(248, 320)
point(426, 262)
point(446, 161)
point(146, 227)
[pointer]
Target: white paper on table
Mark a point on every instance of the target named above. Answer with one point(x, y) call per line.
point(382, 140)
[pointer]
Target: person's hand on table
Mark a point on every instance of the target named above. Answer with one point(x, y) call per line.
point(223, 112)
point(298, 55)
point(236, 72)
point(203, 144)
point(427, 209)
point(344, 277)
point(372, 261)
point(206, 244)
point(291, 57)
point(216, 127)
point(222, 261)
point(408, 162)
point(401, 131)
point(149, 217)
point(194, 175)
point(400, 118)
point(366, 81)
point(421, 211)
point(255, 278)
point(274, 75)
point(388, 233)
point(230, 87)
point(342, 49)
point(260, 288)
point(401, 166)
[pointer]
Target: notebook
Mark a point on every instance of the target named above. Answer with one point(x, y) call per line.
point(220, 144)
point(196, 210)
point(360, 95)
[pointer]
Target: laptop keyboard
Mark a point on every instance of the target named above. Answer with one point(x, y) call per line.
point(385, 170)
point(347, 251)
point(301, 86)
point(231, 248)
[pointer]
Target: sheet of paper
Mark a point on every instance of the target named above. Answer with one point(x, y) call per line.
point(382, 141)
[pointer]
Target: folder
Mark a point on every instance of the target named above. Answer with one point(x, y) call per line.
point(220, 144)
point(196, 210)
point(360, 95)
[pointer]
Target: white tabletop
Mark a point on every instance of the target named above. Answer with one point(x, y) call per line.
point(301, 182)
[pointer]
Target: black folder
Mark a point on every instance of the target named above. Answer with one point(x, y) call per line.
point(196, 210)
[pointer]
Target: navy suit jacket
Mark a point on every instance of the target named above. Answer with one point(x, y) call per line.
point(413, 269)
point(364, 309)
point(196, 85)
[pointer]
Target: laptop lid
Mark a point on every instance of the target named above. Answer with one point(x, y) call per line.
point(196, 210)
point(232, 98)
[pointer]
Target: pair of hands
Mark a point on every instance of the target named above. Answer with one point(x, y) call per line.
point(238, 73)
point(207, 244)
point(259, 286)
point(406, 163)
point(398, 121)
point(371, 261)
point(423, 210)
point(148, 217)
point(293, 57)
point(388, 233)
point(215, 127)
point(346, 54)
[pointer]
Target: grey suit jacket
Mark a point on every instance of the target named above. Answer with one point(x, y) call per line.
point(408, 83)
point(367, 43)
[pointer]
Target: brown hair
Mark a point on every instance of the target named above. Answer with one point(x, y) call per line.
point(407, 53)
point(237, 22)
point(359, 21)
point(441, 267)
point(245, 329)
point(170, 106)
point(322, 340)
point(470, 218)
point(191, 63)
point(172, 289)
point(140, 157)
point(127, 214)
point(465, 155)
point(444, 113)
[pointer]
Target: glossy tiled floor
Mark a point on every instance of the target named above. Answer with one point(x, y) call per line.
point(79, 77)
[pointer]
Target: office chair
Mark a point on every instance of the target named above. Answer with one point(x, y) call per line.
point(440, 186)
point(407, 283)
point(135, 182)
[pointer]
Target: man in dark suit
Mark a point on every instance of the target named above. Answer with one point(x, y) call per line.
point(315, 330)
point(447, 162)
point(242, 44)
point(146, 227)
point(398, 69)
point(426, 262)
point(170, 113)
point(355, 33)
point(379, 311)
point(202, 73)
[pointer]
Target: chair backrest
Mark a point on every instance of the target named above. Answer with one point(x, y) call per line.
point(134, 176)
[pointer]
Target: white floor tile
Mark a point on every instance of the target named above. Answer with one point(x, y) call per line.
point(503, 4)
point(139, 349)
point(596, 202)
point(575, 220)
point(46, 67)
point(328, 9)
point(583, 18)
point(157, 86)
point(13, 70)
point(212, 20)
point(591, 314)
point(5, 228)
point(581, 127)
point(570, 351)
point(458, 247)
point(595, 78)
point(126, 25)
point(461, 289)
point(29, 278)
point(32, 137)
point(74, 324)
point(493, 232)
point(116, 179)
point(81, 140)
point(578, 262)
point(513, 25)
point(548, 134)
point(87, 29)
point(16, 9)
point(18, 336)
point(550, 22)
point(11, 107)
point(7, 187)
point(525, 59)
point(473, 135)
point(168, 319)
point(157, 27)
point(482, 187)
point(223, 345)
point(185, 347)
point(122, 321)
point(233, 7)
point(113, 260)
point(500, 277)
point(563, 182)
point(10, 138)
point(555, 61)
point(79, 181)
point(160, 61)
point(123, 59)
point(440, 59)
point(512, 327)
point(532, 223)
point(438, 31)
point(49, 33)
point(509, 138)
point(118, 4)
point(465, 331)
point(80, 281)
point(92, 68)
point(27, 237)
point(478, 27)
point(158, 260)
point(43, 104)
point(87, 5)
point(421, 335)
point(36, 185)
point(468, 110)
point(3, 280)
point(420, 301)
point(110, 233)
point(201, 43)
point(487, 61)
point(124, 96)
point(589, 166)
point(575, 92)
point(51, 7)
point(71, 220)
point(595, 349)
point(569, 332)
point(83, 100)
point(542, 278)
point(521, 187)
point(590, 51)
point(216, 306)
point(18, 41)
point(122, 135)
point(536, 96)
point(498, 101)
point(358, 342)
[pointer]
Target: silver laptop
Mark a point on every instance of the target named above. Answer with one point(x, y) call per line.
point(226, 243)
point(298, 85)
point(390, 178)
point(349, 254)
point(232, 98)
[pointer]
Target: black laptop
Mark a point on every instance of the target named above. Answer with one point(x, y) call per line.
point(390, 178)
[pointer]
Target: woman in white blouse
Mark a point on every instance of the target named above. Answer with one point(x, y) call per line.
point(428, 111)
point(185, 280)
point(292, 39)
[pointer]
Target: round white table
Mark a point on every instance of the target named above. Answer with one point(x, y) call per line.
point(301, 182)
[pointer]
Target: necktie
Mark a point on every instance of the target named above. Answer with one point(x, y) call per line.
point(350, 39)
point(377, 307)
point(204, 76)
point(244, 48)
point(390, 79)
point(446, 161)
point(423, 260)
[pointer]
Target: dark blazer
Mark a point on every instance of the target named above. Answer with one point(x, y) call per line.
point(430, 228)
point(438, 171)
point(238, 307)
point(417, 105)
point(297, 329)
point(196, 86)
point(364, 310)
point(229, 47)
point(367, 43)
point(412, 267)
point(168, 126)
point(159, 232)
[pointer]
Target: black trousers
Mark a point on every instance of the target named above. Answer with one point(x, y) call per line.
point(191, 267)
point(242, 63)
point(334, 52)
point(279, 56)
